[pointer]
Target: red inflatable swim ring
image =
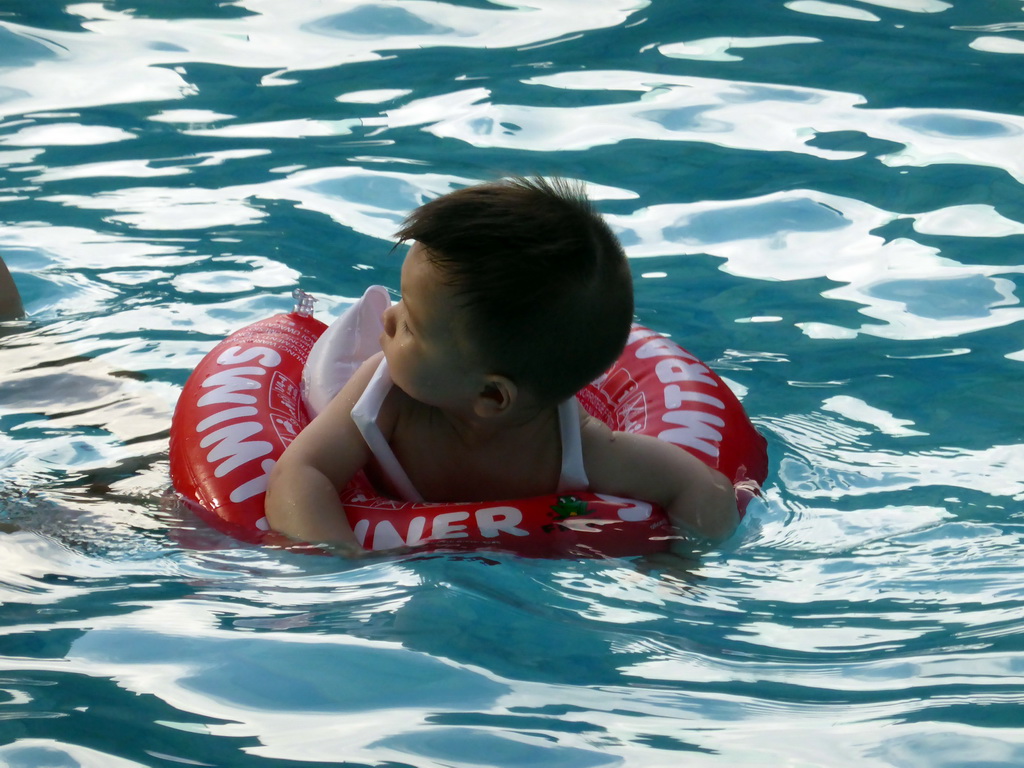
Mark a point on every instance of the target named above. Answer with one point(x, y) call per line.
point(242, 406)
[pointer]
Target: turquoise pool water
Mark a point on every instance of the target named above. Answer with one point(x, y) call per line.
point(822, 199)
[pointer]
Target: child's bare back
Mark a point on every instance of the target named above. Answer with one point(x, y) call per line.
point(465, 463)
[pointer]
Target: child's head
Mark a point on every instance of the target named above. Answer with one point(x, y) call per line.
point(544, 283)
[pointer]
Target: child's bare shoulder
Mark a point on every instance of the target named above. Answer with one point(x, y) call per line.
point(602, 449)
point(592, 431)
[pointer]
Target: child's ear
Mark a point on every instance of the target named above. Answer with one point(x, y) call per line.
point(498, 395)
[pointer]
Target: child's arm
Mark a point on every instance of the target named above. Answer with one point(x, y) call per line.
point(10, 300)
point(302, 495)
point(699, 500)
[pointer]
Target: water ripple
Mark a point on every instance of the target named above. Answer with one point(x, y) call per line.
point(820, 199)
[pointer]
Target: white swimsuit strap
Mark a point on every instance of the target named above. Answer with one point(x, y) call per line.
point(574, 473)
point(364, 414)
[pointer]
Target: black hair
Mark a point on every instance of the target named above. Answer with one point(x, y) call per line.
point(545, 281)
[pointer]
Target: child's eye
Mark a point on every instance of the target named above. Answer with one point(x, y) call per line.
point(406, 328)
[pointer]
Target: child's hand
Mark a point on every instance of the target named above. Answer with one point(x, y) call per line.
point(705, 506)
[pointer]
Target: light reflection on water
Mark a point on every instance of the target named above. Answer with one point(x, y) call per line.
point(820, 198)
point(718, 112)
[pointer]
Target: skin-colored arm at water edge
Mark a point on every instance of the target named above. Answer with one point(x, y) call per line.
point(302, 496)
point(699, 500)
point(10, 299)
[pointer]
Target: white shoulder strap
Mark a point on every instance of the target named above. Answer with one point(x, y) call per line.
point(364, 414)
point(574, 473)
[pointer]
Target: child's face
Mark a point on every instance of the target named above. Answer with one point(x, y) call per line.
point(425, 339)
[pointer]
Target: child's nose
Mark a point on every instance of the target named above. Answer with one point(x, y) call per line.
point(390, 323)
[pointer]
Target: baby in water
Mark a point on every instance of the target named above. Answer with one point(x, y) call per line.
point(515, 295)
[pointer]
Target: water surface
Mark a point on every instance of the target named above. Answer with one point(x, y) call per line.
point(821, 199)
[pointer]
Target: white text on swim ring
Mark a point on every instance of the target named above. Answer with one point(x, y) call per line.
point(489, 523)
point(231, 447)
point(692, 428)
